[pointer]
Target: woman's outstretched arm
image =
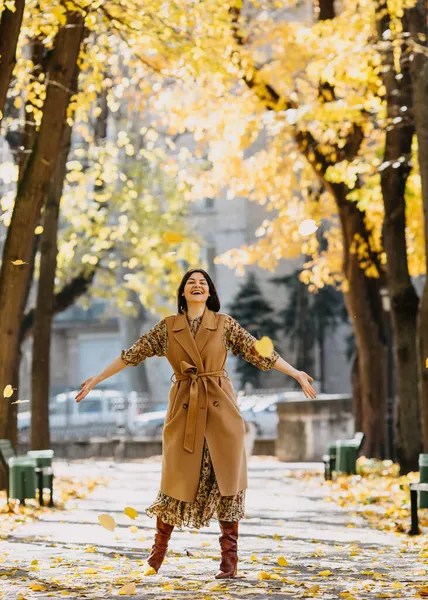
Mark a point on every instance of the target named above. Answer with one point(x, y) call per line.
point(303, 378)
point(152, 343)
point(114, 367)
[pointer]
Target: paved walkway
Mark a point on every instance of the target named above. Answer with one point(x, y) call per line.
point(329, 552)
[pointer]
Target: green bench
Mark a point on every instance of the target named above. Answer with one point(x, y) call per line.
point(26, 473)
point(342, 456)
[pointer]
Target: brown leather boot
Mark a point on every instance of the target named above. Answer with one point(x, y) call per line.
point(160, 546)
point(229, 550)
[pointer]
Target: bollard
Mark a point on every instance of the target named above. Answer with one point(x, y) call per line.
point(423, 478)
point(346, 457)
point(22, 478)
point(43, 459)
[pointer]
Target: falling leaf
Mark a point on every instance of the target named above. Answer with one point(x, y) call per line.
point(133, 529)
point(264, 346)
point(282, 561)
point(38, 230)
point(18, 262)
point(107, 522)
point(8, 391)
point(325, 573)
point(426, 364)
point(20, 402)
point(130, 512)
point(172, 238)
point(307, 227)
point(128, 590)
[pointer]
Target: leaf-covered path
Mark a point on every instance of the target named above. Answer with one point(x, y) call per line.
point(328, 551)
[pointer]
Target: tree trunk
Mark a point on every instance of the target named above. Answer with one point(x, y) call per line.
point(10, 26)
point(365, 311)
point(417, 17)
point(356, 394)
point(325, 10)
point(40, 375)
point(404, 300)
point(30, 196)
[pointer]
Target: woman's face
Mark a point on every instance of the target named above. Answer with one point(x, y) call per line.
point(196, 290)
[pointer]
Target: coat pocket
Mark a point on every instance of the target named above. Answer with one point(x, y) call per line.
point(227, 388)
point(172, 402)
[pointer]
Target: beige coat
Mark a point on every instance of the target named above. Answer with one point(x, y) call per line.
point(202, 403)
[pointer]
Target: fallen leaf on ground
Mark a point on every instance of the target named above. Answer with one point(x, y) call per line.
point(128, 590)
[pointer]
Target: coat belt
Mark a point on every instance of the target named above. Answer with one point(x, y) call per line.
point(192, 372)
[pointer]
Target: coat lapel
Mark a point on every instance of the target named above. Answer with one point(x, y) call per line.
point(184, 337)
point(209, 323)
point(194, 346)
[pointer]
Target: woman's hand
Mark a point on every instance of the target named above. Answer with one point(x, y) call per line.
point(305, 381)
point(87, 386)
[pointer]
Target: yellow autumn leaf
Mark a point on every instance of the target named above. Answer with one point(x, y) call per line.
point(149, 571)
point(282, 561)
point(254, 558)
point(264, 346)
point(20, 402)
point(307, 227)
point(426, 363)
point(423, 591)
point(38, 230)
point(325, 573)
point(34, 562)
point(167, 587)
point(8, 391)
point(18, 262)
point(90, 571)
point(172, 238)
point(107, 522)
point(128, 590)
point(133, 529)
point(313, 589)
point(265, 575)
point(36, 587)
point(130, 512)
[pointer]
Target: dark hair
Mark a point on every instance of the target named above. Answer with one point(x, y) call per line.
point(213, 303)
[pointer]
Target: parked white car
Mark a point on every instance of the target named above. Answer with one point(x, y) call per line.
point(101, 408)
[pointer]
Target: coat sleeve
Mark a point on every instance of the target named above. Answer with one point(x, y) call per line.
point(152, 343)
point(239, 341)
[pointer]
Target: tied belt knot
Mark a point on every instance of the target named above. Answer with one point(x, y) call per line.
point(191, 372)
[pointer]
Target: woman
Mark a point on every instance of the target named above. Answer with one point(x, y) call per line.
point(204, 471)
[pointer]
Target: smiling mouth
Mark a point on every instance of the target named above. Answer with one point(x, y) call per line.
point(197, 294)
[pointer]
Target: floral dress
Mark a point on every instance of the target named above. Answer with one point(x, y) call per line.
point(209, 502)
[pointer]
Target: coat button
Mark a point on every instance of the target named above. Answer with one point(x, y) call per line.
point(215, 403)
point(185, 405)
